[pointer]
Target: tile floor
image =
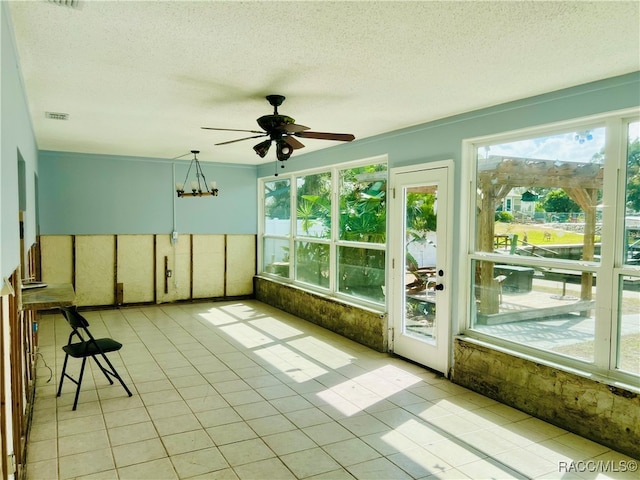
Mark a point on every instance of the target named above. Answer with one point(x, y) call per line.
point(232, 390)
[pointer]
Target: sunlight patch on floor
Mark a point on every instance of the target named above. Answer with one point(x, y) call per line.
point(366, 390)
point(322, 352)
point(291, 363)
point(246, 335)
point(276, 328)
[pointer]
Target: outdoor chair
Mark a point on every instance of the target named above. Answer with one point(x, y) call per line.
point(87, 347)
point(500, 279)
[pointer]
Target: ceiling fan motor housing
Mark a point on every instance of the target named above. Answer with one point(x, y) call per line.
point(275, 123)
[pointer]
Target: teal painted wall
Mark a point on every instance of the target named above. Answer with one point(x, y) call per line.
point(16, 140)
point(85, 194)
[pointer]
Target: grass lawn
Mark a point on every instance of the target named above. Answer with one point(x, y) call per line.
point(535, 233)
point(629, 351)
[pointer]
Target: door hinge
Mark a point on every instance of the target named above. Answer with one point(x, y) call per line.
point(393, 192)
point(393, 334)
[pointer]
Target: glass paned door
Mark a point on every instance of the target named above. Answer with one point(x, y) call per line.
point(420, 302)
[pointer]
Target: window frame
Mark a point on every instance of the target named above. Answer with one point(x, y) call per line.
point(261, 224)
point(333, 241)
point(608, 270)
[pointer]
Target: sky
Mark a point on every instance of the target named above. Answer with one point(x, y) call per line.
point(568, 147)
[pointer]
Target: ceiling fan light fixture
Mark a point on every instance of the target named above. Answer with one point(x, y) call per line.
point(262, 148)
point(283, 150)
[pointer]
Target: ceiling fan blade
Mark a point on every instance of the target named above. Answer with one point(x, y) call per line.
point(341, 137)
point(293, 128)
point(241, 139)
point(231, 130)
point(292, 142)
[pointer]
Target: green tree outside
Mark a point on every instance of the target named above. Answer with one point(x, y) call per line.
point(557, 201)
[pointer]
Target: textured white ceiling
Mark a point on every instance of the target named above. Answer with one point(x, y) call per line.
point(141, 77)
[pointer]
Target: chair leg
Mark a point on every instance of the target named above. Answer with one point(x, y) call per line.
point(114, 373)
point(64, 369)
point(105, 372)
point(75, 401)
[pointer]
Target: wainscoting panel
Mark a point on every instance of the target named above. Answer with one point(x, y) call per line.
point(208, 266)
point(135, 268)
point(110, 270)
point(56, 259)
point(241, 264)
point(95, 269)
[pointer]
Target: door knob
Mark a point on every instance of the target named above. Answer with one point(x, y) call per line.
point(439, 286)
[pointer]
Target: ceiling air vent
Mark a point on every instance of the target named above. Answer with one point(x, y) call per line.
point(56, 115)
point(66, 3)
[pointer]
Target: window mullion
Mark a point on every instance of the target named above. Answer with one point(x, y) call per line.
point(608, 285)
point(293, 196)
point(261, 226)
point(335, 230)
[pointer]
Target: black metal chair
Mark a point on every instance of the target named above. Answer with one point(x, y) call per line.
point(87, 347)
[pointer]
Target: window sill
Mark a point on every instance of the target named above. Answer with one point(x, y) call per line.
point(338, 298)
point(611, 382)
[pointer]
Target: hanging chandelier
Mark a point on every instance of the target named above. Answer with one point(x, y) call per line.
point(199, 187)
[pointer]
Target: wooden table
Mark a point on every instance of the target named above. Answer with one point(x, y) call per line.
point(54, 295)
point(35, 300)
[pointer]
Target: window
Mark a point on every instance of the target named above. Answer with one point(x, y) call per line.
point(313, 229)
point(546, 275)
point(631, 239)
point(362, 233)
point(276, 204)
point(339, 231)
point(628, 338)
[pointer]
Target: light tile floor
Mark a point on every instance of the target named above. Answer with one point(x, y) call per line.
point(230, 390)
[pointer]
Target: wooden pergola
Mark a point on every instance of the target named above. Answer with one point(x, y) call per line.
point(498, 175)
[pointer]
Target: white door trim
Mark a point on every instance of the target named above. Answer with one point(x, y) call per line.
point(396, 243)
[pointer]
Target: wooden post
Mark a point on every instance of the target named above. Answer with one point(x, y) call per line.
point(17, 375)
point(588, 249)
point(586, 198)
point(488, 294)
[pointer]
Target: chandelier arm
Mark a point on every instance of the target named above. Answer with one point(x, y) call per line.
point(200, 173)
point(188, 171)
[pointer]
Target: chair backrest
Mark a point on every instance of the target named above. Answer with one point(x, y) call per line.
point(74, 318)
point(77, 323)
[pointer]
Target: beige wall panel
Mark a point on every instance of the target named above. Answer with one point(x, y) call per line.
point(135, 267)
point(241, 264)
point(208, 266)
point(179, 262)
point(95, 265)
point(56, 258)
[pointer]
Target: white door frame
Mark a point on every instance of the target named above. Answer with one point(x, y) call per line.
point(397, 267)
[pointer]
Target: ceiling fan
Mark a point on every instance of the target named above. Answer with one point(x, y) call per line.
point(282, 130)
